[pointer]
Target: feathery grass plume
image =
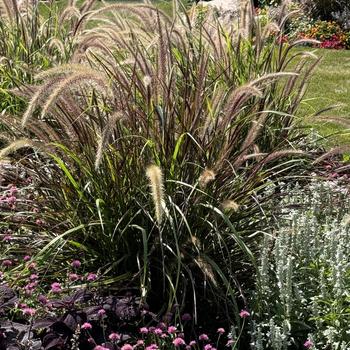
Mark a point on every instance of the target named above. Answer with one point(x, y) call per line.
point(79, 78)
point(155, 177)
point(106, 134)
point(38, 97)
point(345, 122)
point(206, 269)
point(15, 146)
point(68, 13)
point(206, 177)
point(230, 205)
point(332, 152)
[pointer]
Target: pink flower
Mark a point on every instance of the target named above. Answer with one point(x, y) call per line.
point(26, 258)
point(208, 347)
point(230, 342)
point(114, 336)
point(7, 238)
point(140, 342)
point(28, 311)
point(73, 277)
point(158, 331)
point(100, 347)
point(152, 347)
point(193, 343)
point(171, 329)
point(101, 312)
point(7, 263)
point(11, 200)
point(91, 277)
point(178, 342)
point(56, 287)
point(76, 264)
point(244, 314)
point(33, 277)
point(86, 325)
point(144, 330)
point(203, 337)
point(308, 344)
point(127, 347)
point(221, 330)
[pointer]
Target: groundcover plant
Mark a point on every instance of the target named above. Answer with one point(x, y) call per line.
point(145, 156)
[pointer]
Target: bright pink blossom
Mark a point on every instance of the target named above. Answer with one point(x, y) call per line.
point(144, 330)
point(86, 325)
point(178, 341)
point(171, 329)
point(56, 287)
point(221, 330)
point(114, 336)
point(203, 337)
point(244, 314)
point(127, 347)
point(308, 344)
point(28, 311)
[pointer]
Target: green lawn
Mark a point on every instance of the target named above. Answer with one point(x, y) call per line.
point(330, 85)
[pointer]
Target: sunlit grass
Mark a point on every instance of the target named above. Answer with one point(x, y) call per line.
point(329, 86)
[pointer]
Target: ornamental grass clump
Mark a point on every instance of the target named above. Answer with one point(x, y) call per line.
point(156, 139)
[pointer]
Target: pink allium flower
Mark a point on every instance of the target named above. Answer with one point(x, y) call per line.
point(172, 329)
point(76, 264)
point(101, 312)
point(26, 258)
point(244, 314)
point(33, 277)
point(91, 277)
point(73, 277)
point(144, 330)
point(13, 190)
point(11, 200)
point(221, 330)
point(208, 347)
point(164, 335)
point(152, 347)
point(56, 287)
point(203, 337)
point(7, 263)
point(39, 222)
point(114, 336)
point(193, 343)
point(140, 342)
point(230, 342)
point(308, 344)
point(188, 347)
point(28, 311)
point(178, 341)
point(100, 347)
point(7, 238)
point(158, 331)
point(127, 347)
point(86, 325)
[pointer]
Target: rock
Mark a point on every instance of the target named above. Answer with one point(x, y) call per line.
point(225, 8)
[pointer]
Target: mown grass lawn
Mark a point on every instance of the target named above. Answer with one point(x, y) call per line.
point(330, 85)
